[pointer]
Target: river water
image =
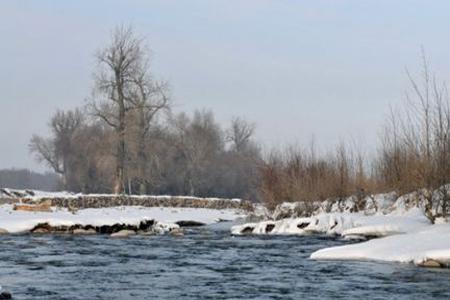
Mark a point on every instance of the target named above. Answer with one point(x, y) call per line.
point(206, 263)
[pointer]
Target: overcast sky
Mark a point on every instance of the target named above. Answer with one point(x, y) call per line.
point(327, 69)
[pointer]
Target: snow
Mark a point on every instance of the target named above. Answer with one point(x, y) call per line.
point(346, 224)
point(380, 203)
point(429, 243)
point(21, 221)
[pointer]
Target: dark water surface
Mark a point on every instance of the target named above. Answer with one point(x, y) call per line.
point(206, 263)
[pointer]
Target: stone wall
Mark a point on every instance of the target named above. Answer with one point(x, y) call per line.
point(100, 201)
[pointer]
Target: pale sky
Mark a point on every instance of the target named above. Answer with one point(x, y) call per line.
point(328, 69)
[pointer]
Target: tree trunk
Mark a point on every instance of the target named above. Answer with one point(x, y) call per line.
point(142, 156)
point(120, 158)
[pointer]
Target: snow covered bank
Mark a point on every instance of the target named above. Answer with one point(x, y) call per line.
point(400, 229)
point(429, 246)
point(345, 224)
point(370, 216)
point(14, 221)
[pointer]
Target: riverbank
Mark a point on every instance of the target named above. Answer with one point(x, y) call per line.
point(385, 227)
point(42, 212)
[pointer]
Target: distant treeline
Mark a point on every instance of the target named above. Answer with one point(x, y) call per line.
point(26, 179)
point(181, 156)
point(127, 140)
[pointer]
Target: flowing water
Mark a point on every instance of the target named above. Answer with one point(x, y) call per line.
point(206, 263)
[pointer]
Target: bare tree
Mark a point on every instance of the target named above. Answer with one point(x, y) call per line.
point(119, 64)
point(148, 99)
point(57, 151)
point(200, 141)
point(240, 133)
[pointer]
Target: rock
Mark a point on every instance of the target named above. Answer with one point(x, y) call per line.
point(123, 233)
point(5, 295)
point(189, 223)
point(247, 230)
point(176, 232)
point(430, 263)
point(43, 207)
point(84, 231)
point(146, 233)
point(269, 228)
point(302, 225)
point(41, 230)
point(3, 231)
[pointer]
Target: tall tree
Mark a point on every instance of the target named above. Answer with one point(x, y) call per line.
point(119, 64)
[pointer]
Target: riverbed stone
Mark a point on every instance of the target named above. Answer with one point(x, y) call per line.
point(430, 263)
point(176, 232)
point(123, 233)
point(189, 223)
point(41, 230)
point(146, 232)
point(81, 231)
point(5, 295)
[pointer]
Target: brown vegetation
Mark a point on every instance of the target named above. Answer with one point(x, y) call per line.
point(299, 175)
point(414, 154)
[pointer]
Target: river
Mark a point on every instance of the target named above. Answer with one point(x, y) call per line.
point(206, 263)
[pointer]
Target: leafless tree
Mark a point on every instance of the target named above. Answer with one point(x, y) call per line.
point(148, 99)
point(57, 151)
point(240, 133)
point(199, 141)
point(119, 64)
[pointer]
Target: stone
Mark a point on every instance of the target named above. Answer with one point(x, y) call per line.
point(44, 207)
point(189, 223)
point(5, 295)
point(123, 233)
point(302, 225)
point(247, 230)
point(430, 263)
point(41, 230)
point(84, 231)
point(146, 233)
point(269, 228)
point(176, 232)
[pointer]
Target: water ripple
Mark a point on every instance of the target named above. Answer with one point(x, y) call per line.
point(204, 264)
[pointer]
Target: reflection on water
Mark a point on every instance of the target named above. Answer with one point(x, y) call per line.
point(207, 263)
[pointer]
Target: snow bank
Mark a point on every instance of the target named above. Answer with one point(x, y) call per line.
point(19, 221)
point(431, 243)
point(345, 224)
